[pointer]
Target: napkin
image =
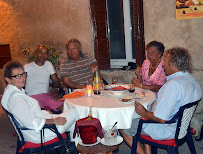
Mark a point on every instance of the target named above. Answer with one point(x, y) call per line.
point(118, 88)
point(74, 95)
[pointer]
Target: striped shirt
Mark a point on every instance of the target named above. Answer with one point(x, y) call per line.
point(78, 72)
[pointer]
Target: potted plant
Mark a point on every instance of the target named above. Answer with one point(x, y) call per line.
point(54, 55)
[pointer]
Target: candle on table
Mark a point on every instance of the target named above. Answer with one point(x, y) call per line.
point(89, 90)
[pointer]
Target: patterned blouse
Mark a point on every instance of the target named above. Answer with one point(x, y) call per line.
point(157, 78)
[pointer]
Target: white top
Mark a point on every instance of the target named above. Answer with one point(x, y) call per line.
point(38, 77)
point(109, 108)
point(28, 113)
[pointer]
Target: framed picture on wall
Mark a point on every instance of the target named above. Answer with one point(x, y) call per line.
point(189, 9)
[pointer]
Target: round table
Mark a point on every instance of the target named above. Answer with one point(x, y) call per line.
point(99, 148)
point(109, 108)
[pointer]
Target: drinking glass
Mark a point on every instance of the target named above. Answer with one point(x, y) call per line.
point(110, 135)
point(131, 90)
point(87, 82)
point(114, 80)
point(101, 88)
point(101, 85)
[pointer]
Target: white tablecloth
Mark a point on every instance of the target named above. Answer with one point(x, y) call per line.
point(108, 107)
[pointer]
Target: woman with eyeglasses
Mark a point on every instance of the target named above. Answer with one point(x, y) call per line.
point(27, 111)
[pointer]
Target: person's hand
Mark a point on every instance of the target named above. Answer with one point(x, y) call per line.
point(135, 82)
point(138, 71)
point(49, 112)
point(55, 94)
point(144, 118)
point(60, 120)
point(139, 109)
point(82, 86)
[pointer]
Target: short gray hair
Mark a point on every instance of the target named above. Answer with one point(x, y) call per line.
point(73, 40)
point(180, 58)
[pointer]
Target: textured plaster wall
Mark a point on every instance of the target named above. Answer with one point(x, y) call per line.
point(48, 22)
point(28, 23)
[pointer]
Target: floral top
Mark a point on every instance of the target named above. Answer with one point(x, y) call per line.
point(157, 78)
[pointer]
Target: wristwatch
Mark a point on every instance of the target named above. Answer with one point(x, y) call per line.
point(57, 89)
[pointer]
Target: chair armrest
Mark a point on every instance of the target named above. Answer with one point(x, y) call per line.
point(141, 122)
point(53, 128)
point(151, 121)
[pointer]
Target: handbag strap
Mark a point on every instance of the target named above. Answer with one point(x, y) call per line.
point(54, 129)
point(42, 138)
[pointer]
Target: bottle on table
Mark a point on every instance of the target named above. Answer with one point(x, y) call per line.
point(96, 81)
point(90, 113)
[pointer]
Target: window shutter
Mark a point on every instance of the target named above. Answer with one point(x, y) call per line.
point(100, 33)
point(138, 30)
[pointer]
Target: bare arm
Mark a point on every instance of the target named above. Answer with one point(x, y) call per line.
point(139, 109)
point(69, 84)
point(154, 88)
point(138, 72)
point(92, 67)
point(56, 93)
point(57, 121)
point(139, 84)
point(56, 81)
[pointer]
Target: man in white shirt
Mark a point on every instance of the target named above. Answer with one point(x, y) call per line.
point(37, 85)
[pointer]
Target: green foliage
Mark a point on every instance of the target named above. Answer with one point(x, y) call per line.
point(54, 55)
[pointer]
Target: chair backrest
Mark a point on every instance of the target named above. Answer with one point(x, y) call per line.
point(17, 126)
point(21, 142)
point(184, 117)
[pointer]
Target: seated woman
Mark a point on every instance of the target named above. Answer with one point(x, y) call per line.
point(27, 111)
point(151, 76)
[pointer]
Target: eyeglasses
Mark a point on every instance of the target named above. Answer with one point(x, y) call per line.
point(19, 76)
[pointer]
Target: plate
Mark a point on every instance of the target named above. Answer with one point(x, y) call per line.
point(117, 92)
point(129, 101)
point(119, 140)
point(79, 90)
point(98, 141)
point(110, 86)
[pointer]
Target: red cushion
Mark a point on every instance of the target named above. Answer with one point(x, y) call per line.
point(170, 142)
point(29, 145)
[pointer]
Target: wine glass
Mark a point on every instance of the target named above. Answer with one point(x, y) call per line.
point(87, 82)
point(114, 80)
point(131, 90)
point(101, 87)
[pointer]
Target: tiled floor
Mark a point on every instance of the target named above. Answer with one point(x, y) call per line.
point(8, 142)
